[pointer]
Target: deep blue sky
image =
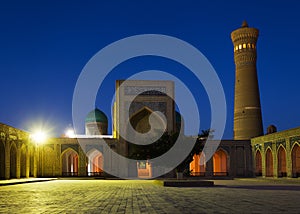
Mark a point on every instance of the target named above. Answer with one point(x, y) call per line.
point(46, 44)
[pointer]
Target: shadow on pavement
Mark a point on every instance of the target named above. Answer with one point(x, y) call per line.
point(261, 187)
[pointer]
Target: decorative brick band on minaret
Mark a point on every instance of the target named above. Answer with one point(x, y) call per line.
point(247, 111)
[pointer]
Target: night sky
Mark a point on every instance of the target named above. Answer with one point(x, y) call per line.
point(44, 46)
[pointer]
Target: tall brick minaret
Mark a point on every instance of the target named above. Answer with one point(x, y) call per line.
point(247, 111)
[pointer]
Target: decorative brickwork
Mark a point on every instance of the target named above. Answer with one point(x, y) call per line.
point(286, 161)
point(17, 153)
point(247, 112)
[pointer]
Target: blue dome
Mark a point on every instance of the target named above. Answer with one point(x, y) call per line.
point(96, 116)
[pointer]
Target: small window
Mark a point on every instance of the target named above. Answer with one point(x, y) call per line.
point(240, 47)
point(244, 45)
point(249, 45)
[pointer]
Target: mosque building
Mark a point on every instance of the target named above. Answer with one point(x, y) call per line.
point(250, 153)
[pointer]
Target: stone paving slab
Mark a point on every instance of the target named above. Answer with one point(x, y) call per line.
point(134, 196)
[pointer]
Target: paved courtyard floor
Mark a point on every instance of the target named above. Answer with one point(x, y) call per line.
point(121, 196)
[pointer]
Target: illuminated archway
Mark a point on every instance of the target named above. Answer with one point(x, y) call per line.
point(220, 163)
point(13, 161)
point(2, 161)
point(70, 163)
point(296, 160)
point(48, 168)
point(198, 165)
point(281, 158)
point(269, 163)
point(144, 169)
point(23, 161)
point(95, 162)
point(31, 165)
point(258, 163)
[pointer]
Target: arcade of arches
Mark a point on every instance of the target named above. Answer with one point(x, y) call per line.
point(274, 155)
point(21, 158)
point(224, 160)
point(65, 157)
point(277, 154)
point(17, 155)
point(72, 159)
point(219, 161)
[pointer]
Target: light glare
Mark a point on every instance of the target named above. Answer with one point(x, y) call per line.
point(39, 137)
point(70, 133)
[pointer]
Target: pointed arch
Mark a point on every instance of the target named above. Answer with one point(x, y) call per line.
point(13, 161)
point(269, 163)
point(258, 163)
point(296, 160)
point(31, 161)
point(23, 160)
point(95, 162)
point(140, 120)
point(198, 165)
point(49, 163)
point(69, 160)
point(281, 160)
point(2, 160)
point(220, 163)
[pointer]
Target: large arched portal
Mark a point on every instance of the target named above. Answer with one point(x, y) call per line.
point(220, 163)
point(70, 163)
point(296, 160)
point(95, 162)
point(197, 166)
point(140, 120)
point(13, 161)
point(281, 155)
point(269, 163)
point(2, 160)
point(140, 123)
point(258, 164)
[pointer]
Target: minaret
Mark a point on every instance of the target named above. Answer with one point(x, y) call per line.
point(247, 112)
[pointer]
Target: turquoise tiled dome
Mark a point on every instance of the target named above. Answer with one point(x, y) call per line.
point(96, 116)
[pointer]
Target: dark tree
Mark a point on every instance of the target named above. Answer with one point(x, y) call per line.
point(164, 143)
point(197, 149)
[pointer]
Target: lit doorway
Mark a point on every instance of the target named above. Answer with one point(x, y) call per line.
point(198, 165)
point(281, 162)
point(220, 163)
point(258, 164)
point(95, 163)
point(296, 160)
point(70, 163)
point(269, 163)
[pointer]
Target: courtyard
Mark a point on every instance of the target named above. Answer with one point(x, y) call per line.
point(149, 196)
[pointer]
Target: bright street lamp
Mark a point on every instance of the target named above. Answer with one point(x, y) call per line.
point(39, 137)
point(70, 133)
